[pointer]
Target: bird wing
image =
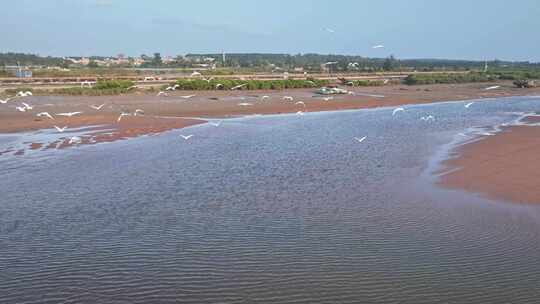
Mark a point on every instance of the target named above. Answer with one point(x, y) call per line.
point(397, 110)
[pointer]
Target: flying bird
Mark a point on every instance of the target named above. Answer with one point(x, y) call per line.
point(469, 105)
point(122, 115)
point(162, 93)
point(378, 46)
point(187, 96)
point(265, 97)
point(97, 107)
point(24, 94)
point(492, 88)
point(132, 87)
point(44, 114)
point(245, 104)
point(358, 139)
point(4, 101)
point(238, 86)
point(331, 63)
point(328, 98)
point(215, 123)
point(61, 130)
point(87, 83)
point(397, 110)
point(69, 114)
point(21, 109)
point(27, 106)
point(75, 140)
point(186, 137)
point(138, 112)
point(427, 118)
point(329, 30)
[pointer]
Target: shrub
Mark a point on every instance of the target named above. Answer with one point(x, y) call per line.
point(439, 78)
point(367, 83)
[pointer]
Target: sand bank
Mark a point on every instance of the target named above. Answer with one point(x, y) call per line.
point(178, 109)
point(505, 166)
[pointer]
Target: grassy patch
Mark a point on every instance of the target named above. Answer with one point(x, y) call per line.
point(105, 87)
point(366, 83)
point(418, 79)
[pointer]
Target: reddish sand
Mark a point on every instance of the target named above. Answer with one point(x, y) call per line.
point(505, 166)
point(215, 104)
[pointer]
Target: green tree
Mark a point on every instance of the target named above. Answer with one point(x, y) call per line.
point(64, 64)
point(390, 63)
point(156, 61)
point(92, 64)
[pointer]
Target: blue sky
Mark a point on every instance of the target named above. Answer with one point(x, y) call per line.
point(457, 29)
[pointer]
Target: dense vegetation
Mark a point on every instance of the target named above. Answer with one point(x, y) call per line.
point(102, 87)
point(518, 74)
point(227, 84)
point(363, 82)
point(12, 59)
point(417, 79)
point(281, 62)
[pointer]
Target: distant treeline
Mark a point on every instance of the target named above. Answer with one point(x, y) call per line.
point(12, 59)
point(287, 62)
point(347, 63)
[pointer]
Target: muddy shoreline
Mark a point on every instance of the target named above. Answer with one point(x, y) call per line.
point(185, 108)
point(505, 166)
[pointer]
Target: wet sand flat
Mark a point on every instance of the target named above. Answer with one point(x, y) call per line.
point(229, 103)
point(181, 107)
point(505, 166)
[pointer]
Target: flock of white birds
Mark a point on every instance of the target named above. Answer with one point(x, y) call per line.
point(24, 107)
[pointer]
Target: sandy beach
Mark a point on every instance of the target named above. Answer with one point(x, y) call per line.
point(223, 104)
point(505, 166)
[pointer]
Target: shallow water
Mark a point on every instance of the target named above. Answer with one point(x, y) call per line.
point(271, 209)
